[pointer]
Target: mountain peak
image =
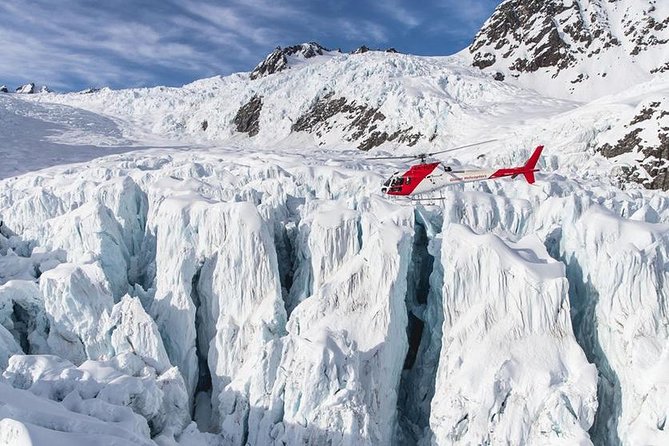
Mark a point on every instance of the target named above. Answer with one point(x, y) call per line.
point(277, 60)
point(579, 42)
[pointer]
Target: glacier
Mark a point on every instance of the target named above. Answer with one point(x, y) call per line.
point(219, 289)
point(279, 302)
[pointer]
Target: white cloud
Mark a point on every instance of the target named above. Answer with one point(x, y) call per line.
point(395, 10)
point(77, 43)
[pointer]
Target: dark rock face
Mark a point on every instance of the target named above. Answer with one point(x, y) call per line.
point(528, 35)
point(362, 122)
point(4, 89)
point(364, 49)
point(247, 119)
point(89, 91)
point(277, 60)
point(273, 63)
point(652, 170)
point(26, 89)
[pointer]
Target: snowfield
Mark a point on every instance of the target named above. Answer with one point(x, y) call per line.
point(204, 287)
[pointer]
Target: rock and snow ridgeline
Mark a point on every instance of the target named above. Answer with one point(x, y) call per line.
point(284, 306)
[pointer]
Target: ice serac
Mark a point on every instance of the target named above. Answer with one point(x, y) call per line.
point(23, 315)
point(133, 331)
point(90, 233)
point(335, 240)
point(123, 391)
point(346, 342)
point(621, 320)
point(241, 290)
point(78, 304)
point(217, 295)
point(508, 351)
point(26, 419)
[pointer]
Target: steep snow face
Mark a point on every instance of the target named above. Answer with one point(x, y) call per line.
point(346, 342)
point(580, 49)
point(78, 304)
point(221, 257)
point(627, 301)
point(534, 369)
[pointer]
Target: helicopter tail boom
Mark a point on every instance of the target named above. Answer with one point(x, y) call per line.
point(527, 170)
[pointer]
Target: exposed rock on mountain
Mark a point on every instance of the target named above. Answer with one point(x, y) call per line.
point(361, 122)
point(643, 150)
point(26, 89)
point(364, 49)
point(578, 42)
point(89, 90)
point(4, 89)
point(583, 50)
point(247, 119)
point(278, 60)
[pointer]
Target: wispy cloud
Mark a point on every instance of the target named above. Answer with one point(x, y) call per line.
point(77, 43)
point(396, 10)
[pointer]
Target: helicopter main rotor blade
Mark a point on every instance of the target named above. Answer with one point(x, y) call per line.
point(425, 155)
point(461, 147)
point(393, 157)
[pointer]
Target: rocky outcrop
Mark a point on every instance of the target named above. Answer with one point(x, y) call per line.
point(247, 119)
point(277, 60)
point(362, 122)
point(647, 139)
point(4, 89)
point(556, 38)
point(89, 91)
point(26, 89)
point(364, 48)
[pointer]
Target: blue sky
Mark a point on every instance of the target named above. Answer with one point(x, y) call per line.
point(74, 44)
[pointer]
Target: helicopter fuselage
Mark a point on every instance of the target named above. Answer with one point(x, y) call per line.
point(428, 177)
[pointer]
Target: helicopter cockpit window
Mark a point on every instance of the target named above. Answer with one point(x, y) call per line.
point(398, 181)
point(387, 183)
point(407, 180)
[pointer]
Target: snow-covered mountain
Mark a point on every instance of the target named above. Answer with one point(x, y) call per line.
point(583, 49)
point(230, 275)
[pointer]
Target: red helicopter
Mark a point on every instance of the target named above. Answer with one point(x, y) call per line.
point(426, 177)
